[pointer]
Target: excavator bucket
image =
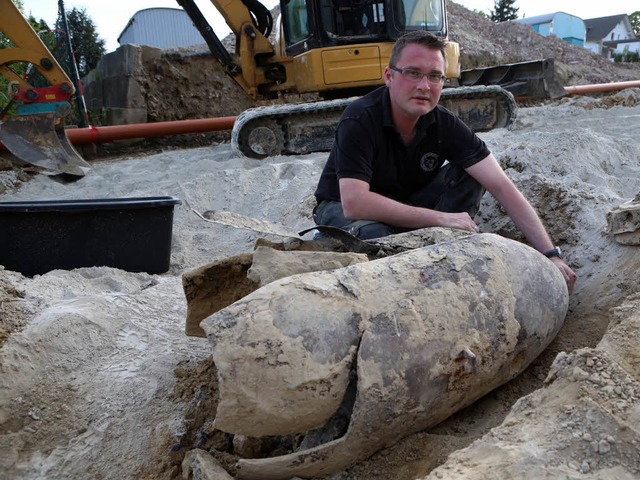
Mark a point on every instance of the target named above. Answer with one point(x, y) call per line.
point(39, 139)
point(535, 79)
point(36, 135)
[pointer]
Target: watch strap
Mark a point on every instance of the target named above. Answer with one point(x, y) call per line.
point(554, 252)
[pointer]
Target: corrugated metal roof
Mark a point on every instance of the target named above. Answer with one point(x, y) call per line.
point(161, 28)
point(538, 19)
point(546, 18)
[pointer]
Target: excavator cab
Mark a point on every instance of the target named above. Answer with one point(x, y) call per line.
point(312, 24)
point(339, 48)
point(335, 48)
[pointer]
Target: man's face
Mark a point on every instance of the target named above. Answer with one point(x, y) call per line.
point(409, 98)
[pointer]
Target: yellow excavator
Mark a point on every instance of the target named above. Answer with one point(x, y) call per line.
point(337, 49)
point(36, 134)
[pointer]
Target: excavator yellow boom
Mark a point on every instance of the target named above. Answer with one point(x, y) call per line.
point(36, 134)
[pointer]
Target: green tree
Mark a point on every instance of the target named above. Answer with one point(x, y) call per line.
point(86, 46)
point(505, 10)
point(481, 13)
point(4, 41)
point(44, 32)
point(634, 18)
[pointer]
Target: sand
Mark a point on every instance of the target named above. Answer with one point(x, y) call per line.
point(92, 375)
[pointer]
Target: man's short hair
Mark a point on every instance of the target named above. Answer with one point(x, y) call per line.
point(419, 37)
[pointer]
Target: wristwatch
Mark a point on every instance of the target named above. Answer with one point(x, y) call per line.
point(554, 252)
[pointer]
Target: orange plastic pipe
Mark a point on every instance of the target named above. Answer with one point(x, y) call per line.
point(601, 87)
point(145, 130)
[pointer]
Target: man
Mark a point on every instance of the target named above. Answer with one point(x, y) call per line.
point(385, 173)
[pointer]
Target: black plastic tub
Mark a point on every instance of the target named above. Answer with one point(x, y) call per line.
point(132, 234)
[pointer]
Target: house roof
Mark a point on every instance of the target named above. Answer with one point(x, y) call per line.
point(147, 11)
point(598, 28)
point(545, 18)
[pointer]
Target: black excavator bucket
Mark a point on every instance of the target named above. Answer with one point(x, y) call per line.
point(535, 79)
point(40, 139)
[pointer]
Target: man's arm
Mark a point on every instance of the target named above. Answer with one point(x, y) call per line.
point(360, 203)
point(489, 173)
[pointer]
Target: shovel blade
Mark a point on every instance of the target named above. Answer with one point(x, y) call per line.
point(39, 139)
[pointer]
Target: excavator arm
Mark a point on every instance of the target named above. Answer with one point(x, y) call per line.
point(251, 23)
point(36, 134)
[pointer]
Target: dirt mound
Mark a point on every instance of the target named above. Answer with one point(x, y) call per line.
point(484, 43)
point(98, 379)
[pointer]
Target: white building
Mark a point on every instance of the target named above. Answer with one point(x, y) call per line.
point(608, 36)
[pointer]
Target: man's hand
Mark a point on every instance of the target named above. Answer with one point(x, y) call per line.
point(359, 203)
point(461, 221)
point(569, 275)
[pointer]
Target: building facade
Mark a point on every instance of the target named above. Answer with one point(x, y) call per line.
point(569, 28)
point(608, 36)
point(161, 28)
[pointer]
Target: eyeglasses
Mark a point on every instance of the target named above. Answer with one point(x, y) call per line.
point(416, 76)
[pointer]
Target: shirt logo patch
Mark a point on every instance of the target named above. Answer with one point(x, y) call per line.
point(428, 162)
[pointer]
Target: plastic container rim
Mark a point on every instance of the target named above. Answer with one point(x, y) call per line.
point(88, 204)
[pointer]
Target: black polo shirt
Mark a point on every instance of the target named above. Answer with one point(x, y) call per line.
point(368, 147)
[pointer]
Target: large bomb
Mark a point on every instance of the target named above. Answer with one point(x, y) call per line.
point(386, 348)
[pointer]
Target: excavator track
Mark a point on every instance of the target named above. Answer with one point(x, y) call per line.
point(482, 108)
point(310, 127)
point(287, 129)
